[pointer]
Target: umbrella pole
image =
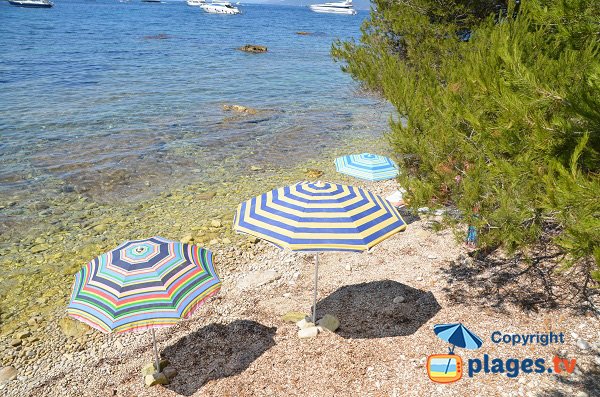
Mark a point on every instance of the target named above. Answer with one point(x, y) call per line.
point(314, 314)
point(155, 352)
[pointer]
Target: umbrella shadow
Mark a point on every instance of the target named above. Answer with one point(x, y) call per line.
point(368, 311)
point(216, 351)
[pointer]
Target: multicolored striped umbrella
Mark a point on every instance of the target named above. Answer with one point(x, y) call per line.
point(143, 284)
point(319, 217)
point(367, 166)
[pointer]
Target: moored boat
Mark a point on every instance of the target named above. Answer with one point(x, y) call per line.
point(220, 7)
point(32, 3)
point(344, 7)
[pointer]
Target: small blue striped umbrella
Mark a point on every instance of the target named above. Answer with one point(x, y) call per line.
point(458, 335)
point(319, 217)
point(367, 166)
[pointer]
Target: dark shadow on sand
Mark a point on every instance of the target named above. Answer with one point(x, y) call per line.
point(216, 351)
point(367, 310)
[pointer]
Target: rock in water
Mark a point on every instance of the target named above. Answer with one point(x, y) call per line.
point(293, 317)
point(304, 33)
point(329, 322)
point(253, 48)
point(239, 109)
point(309, 332)
point(156, 379)
point(7, 374)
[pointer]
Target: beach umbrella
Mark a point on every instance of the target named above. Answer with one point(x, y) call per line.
point(457, 335)
point(319, 217)
point(143, 284)
point(367, 166)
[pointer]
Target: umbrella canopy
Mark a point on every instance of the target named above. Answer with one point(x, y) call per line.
point(143, 284)
point(367, 166)
point(458, 335)
point(319, 217)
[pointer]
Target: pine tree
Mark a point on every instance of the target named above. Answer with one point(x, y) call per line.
point(499, 106)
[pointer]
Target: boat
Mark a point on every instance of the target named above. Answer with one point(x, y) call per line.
point(344, 7)
point(220, 7)
point(150, 1)
point(32, 3)
point(195, 2)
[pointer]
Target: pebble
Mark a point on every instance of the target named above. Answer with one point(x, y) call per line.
point(156, 379)
point(348, 267)
point(187, 239)
point(7, 374)
point(419, 278)
point(583, 345)
point(215, 223)
point(329, 322)
point(431, 256)
point(170, 372)
point(399, 299)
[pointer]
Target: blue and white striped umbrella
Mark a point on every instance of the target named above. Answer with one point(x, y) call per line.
point(319, 217)
point(371, 167)
point(458, 335)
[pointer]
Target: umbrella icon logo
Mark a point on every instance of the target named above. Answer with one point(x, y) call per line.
point(446, 368)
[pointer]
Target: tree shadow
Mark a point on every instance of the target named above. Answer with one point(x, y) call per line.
point(216, 351)
point(587, 381)
point(529, 283)
point(409, 215)
point(368, 310)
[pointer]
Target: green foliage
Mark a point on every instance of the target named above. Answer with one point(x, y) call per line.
point(499, 107)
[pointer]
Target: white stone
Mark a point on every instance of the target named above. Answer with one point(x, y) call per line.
point(256, 279)
point(583, 345)
point(302, 324)
point(348, 267)
point(431, 256)
point(309, 332)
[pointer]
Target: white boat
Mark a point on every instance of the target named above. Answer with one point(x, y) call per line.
point(195, 2)
point(220, 7)
point(32, 3)
point(344, 7)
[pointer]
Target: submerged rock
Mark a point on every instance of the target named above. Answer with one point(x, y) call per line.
point(253, 48)
point(239, 109)
point(302, 33)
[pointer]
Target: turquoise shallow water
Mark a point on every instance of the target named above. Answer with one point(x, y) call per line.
point(116, 99)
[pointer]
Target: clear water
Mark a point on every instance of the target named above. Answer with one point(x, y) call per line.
point(119, 99)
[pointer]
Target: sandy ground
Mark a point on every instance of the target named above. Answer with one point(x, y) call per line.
point(238, 345)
